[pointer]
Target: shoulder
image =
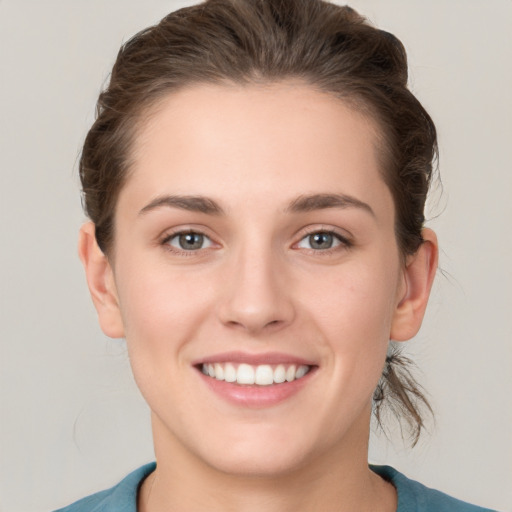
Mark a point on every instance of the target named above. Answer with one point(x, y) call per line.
point(416, 497)
point(120, 498)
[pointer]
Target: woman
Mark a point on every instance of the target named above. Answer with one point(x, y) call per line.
point(256, 180)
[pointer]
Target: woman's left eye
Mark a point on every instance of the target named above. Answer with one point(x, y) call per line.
point(321, 241)
point(189, 241)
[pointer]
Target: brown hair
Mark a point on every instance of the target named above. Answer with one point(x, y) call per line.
point(330, 47)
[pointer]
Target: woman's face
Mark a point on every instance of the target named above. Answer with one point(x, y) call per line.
point(254, 240)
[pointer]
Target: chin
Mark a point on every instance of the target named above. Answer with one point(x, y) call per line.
point(260, 451)
point(257, 464)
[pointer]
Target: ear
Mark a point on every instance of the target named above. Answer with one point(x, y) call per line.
point(418, 277)
point(100, 279)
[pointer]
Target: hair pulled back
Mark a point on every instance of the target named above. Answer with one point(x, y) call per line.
point(331, 48)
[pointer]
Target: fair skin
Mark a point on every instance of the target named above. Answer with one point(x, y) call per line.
point(288, 258)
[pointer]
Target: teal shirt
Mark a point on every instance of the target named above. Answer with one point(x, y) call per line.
point(412, 496)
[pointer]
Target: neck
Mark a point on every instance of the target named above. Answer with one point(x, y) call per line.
point(338, 481)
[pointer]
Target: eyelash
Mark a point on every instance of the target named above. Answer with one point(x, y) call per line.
point(180, 251)
point(343, 242)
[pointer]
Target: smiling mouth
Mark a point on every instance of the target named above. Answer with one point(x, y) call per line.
point(259, 375)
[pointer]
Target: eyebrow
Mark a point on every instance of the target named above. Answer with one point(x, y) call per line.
point(303, 203)
point(307, 203)
point(192, 203)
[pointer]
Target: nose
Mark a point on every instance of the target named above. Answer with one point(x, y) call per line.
point(257, 294)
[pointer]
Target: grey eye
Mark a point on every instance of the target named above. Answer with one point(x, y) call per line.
point(320, 241)
point(190, 241)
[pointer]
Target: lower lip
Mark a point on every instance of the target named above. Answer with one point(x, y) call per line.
point(253, 396)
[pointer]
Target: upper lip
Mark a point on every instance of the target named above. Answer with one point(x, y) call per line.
point(253, 359)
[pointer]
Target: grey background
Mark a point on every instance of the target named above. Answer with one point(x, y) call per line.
point(71, 419)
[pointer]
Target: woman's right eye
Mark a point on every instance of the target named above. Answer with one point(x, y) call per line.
point(188, 241)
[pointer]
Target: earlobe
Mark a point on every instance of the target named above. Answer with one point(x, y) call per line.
point(419, 275)
point(100, 280)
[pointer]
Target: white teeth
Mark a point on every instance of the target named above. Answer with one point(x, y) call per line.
point(290, 373)
point(279, 374)
point(261, 375)
point(219, 371)
point(245, 374)
point(264, 375)
point(301, 371)
point(229, 373)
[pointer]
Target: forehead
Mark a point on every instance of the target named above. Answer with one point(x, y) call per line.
point(237, 141)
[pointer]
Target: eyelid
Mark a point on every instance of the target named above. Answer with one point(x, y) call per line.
point(344, 238)
point(169, 240)
point(171, 233)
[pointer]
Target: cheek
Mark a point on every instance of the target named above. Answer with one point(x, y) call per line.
point(161, 309)
point(356, 300)
point(161, 313)
point(354, 314)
